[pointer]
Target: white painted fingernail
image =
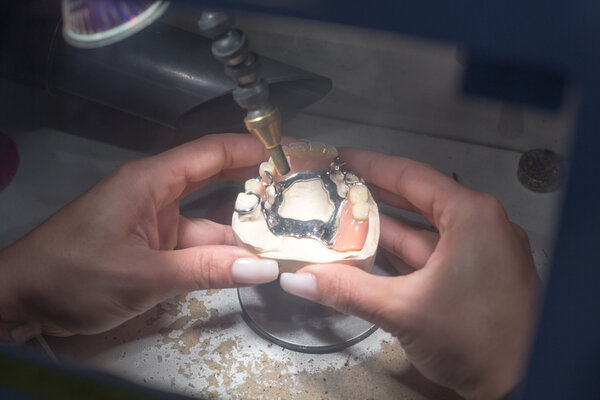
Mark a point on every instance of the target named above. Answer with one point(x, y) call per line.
point(254, 270)
point(302, 285)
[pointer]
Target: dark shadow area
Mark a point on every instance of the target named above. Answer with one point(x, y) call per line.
point(148, 92)
point(414, 380)
point(215, 202)
point(142, 326)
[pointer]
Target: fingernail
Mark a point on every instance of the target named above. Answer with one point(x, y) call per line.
point(254, 270)
point(302, 285)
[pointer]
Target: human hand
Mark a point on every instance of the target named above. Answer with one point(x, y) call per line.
point(123, 247)
point(465, 313)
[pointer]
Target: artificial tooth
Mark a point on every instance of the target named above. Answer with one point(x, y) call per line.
point(360, 211)
point(262, 168)
point(245, 201)
point(316, 148)
point(286, 150)
point(358, 194)
point(266, 166)
point(331, 152)
point(298, 149)
point(351, 178)
point(252, 185)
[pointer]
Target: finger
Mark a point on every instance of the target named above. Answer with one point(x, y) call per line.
point(201, 232)
point(519, 231)
point(414, 246)
point(384, 196)
point(400, 265)
point(216, 157)
point(377, 299)
point(522, 235)
point(166, 176)
point(286, 140)
point(166, 219)
point(210, 267)
point(235, 174)
point(428, 190)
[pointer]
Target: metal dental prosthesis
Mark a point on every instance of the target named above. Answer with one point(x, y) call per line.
point(317, 213)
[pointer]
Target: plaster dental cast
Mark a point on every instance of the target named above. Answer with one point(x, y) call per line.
point(317, 213)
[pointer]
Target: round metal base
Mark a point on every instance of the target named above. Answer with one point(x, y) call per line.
point(299, 324)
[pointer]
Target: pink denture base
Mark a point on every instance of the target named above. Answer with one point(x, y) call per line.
point(353, 233)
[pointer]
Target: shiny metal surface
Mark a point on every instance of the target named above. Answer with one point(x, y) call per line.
point(325, 232)
point(298, 324)
point(93, 23)
point(265, 125)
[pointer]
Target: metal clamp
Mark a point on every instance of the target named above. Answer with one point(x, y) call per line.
point(248, 210)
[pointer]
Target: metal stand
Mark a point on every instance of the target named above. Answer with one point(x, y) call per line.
point(299, 324)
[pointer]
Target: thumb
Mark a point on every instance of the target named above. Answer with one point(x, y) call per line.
point(213, 267)
point(378, 299)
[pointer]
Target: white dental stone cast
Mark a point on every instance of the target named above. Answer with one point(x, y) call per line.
point(306, 200)
point(295, 206)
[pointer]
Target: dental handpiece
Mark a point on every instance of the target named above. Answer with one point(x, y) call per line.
point(230, 46)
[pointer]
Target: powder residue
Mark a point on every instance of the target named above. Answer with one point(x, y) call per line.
point(220, 362)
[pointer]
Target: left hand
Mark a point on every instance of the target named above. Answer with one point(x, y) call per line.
point(122, 247)
point(466, 313)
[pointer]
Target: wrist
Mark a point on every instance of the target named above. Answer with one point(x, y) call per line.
point(13, 328)
point(504, 365)
point(499, 389)
point(514, 394)
point(502, 376)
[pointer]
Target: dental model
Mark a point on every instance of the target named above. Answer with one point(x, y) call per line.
point(317, 213)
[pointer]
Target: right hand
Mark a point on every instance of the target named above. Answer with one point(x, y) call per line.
point(123, 246)
point(465, 314)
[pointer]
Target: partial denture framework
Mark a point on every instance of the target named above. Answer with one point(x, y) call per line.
point(345, 191)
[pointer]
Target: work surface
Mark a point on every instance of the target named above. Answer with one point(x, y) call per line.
point(198, 344)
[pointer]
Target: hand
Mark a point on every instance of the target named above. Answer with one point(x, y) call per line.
point(110, 254)
point(465, 313)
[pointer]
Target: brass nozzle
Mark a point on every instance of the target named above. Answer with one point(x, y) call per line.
point(267, 128)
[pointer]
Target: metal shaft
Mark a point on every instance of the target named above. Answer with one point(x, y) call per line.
point(230, 46)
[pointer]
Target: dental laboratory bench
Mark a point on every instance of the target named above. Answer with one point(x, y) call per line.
point(75, 118)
